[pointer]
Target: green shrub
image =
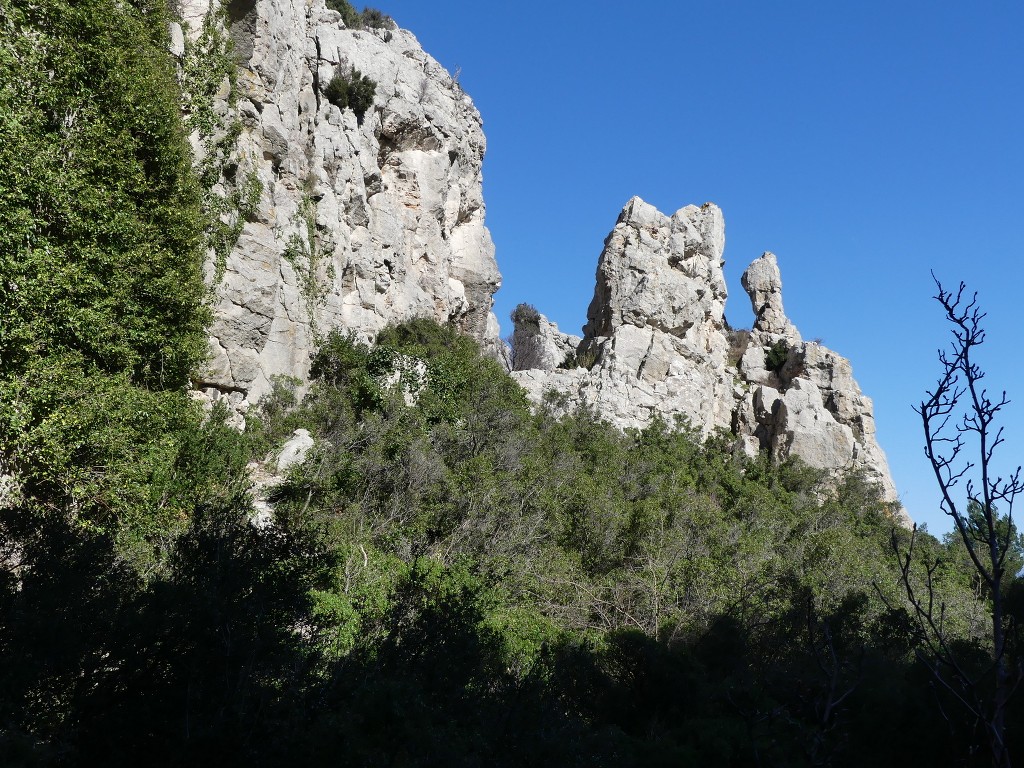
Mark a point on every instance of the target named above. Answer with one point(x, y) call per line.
point(525, 313)
point(370, 18)
point(776, 356)
point(374, 19)
point(349, 15)
point(351, 89)
point(585, 359)
point(102, 302)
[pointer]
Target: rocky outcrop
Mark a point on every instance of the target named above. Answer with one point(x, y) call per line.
point(355, 221)
point(763, 283)
point(272, 471)
point(538, 344)
point(656, 344)
point(338, 220)
point(655, 338)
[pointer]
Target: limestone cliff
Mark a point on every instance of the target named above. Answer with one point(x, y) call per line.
point(656, 343)
point(655, 336)
point(355, 221)
point(358, 222)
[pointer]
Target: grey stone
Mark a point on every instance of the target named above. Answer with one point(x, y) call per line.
point(656, 344)
point(360, 223)
point(177, 44)
point(763, 283)
point(294, 451)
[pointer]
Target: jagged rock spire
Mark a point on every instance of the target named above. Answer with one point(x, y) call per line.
point(655, 343)
point(763, 284)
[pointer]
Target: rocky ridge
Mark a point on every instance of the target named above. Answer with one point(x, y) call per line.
point(358, 222)
point(656, 344)
point(354, 222)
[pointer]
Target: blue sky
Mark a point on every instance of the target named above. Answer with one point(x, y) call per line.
point(863, 143)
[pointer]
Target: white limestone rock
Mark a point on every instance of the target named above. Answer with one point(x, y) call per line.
point(656, 344)
point(763, 284)
point(803, 427)
point(661, 272)
point(294, 451)
point(537, 343)
point(234, 402)
point(193, 13)
point(655, 340)
point(360, 223)
point(268, 474)
point(10, 489)
point(177, 44)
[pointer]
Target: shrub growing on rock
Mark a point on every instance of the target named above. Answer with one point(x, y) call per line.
point(351, 89)
point(776, 356)
point(370, 18)
point(575, 359)
point(525, 313)
point(374, 19)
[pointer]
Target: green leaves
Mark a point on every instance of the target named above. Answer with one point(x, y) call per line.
point(103, 256)
point(428, 450)
point(102, 311)
point(351, 89)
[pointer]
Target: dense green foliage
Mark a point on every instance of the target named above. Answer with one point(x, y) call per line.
point(455, 579)
point(369, 17)
point(451, 578)
point(101, 298)
point(351, 89)
point(525, 313)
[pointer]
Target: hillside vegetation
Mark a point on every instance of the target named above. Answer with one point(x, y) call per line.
point(451, 578)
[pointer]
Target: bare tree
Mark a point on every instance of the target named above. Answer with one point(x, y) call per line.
point(961, 438)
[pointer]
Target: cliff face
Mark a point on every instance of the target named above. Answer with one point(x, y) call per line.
point(656, 344)
point(356, 222)
point(655, 336)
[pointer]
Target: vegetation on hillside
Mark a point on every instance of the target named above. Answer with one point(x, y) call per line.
point(369, 18)
point(454, 579)
point(102, 311)
point(452, 576)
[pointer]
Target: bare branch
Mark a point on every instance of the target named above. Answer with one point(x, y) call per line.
point(959, 415)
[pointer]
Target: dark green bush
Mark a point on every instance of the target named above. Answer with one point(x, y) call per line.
point(374, 19)
point(370, 18)
point(351, 89)
point(102, 301)
point(525, 313)
point(776, 356)
point(349, 15)
point(577, 359)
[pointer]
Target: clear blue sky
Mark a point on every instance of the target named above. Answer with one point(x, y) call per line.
point(864, 143)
